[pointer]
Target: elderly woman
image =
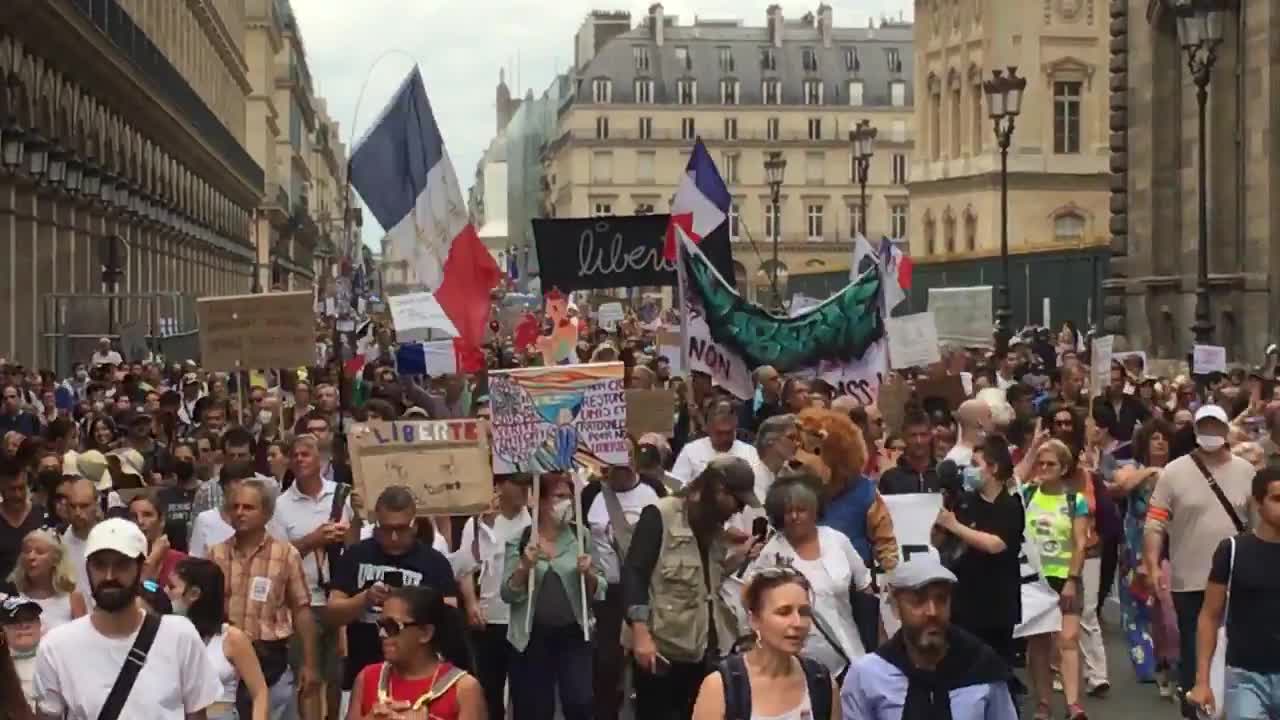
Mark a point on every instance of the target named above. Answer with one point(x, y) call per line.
point(827, 560)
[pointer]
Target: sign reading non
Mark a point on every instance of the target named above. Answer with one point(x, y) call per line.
point(241, 332)
point(444, 463)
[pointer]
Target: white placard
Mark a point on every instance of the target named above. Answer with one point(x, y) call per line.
point(440, 358)
point(913, 341)
point(1100, 359)
point(963, 315)
point(609, 315)
point(1208, 359)
point(414, 314)
point(914, 516)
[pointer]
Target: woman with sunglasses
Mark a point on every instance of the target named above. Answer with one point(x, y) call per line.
point(414, 680)
point(46, 574)
point(1057, 529)
point(773, 678)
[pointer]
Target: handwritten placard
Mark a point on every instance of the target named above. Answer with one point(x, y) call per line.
point(963, 315)
point(416, 314)
point(445, 463)
point(542, 417)
point(1208, 359)
point(271, 330)
point(1100, 367)
point(650, 411)
point(609, 315)
point(913, 341)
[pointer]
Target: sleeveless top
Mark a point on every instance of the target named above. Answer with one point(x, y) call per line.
point(227, 675)
point(54, 611)
point(803, 711)
point(443, 707)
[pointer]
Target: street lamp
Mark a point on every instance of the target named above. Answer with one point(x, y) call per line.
point(1004, 102)
point(90, 179)
point(1200, 25)
point(11, 140)
point(863, 138)
point(775, 168)
point(57, 170)
point(37, 156)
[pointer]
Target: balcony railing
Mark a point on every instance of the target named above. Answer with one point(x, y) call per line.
point(588, 135)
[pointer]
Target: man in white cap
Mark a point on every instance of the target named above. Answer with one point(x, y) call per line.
point(930, 668)
point(104, 355)
point(1201, 499)
point(159, 664)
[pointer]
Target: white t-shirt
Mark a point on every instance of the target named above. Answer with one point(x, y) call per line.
point(76, 667)
point(696, 455)
point(961, 455)
point(110, 357)
point(74, 548)
point(493, 560)
point(632, 502)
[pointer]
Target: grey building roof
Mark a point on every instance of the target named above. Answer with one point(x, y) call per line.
point(616, 61)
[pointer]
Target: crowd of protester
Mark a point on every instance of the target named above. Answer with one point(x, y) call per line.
point(207, 523)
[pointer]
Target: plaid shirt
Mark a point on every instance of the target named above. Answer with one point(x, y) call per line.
point(265, 587)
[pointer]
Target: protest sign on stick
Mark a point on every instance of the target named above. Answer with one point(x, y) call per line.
point(650, 411)
point(444, 463)
point(242, 332)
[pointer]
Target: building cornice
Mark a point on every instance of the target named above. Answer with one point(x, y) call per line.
point(211, 22)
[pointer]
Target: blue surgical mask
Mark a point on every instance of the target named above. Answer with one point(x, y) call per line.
point(973, 480)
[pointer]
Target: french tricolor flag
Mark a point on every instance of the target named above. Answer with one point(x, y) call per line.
point(701, 203)
point(401, 169)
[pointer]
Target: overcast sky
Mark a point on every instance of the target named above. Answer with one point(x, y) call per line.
point(462, 44)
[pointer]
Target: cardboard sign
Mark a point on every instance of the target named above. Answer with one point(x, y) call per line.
point(650, 411)
point(272, 330)
point(445, 463)
point(963, 315)
point(894, 395)
point(1209, 359)
point(542, 417)
point(913, 341)
point(948, 387)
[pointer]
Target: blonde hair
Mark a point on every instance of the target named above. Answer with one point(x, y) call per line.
point(1061, 452)
point(64, 573)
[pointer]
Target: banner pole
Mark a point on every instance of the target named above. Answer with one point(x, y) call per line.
point(533, 538)
point(582, 550)
point(684, 308)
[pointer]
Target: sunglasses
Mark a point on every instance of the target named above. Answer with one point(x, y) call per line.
point(1049, 464)
point(390, 627)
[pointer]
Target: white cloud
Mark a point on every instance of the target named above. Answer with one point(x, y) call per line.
point(461, 45)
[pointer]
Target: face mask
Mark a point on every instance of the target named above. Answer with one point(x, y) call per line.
point(562, 512)
point(264, 417)
point(1210, 442)
point(973, 480)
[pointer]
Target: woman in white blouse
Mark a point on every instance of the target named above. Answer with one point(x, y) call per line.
point(45, 574)
point(827, 560)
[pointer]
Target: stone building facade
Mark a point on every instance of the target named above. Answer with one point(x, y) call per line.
point(1155, 216)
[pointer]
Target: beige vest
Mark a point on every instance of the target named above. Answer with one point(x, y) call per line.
point(678, 596)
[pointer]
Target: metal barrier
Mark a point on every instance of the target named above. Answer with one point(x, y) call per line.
point(160, 323)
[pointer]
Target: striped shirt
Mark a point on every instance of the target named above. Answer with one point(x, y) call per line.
point(265, 587)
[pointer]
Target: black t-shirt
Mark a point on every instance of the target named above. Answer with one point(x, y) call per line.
point(11, 538)
point(177, 517)
point(365, 563)
point(989, 592)
point(1253, 626)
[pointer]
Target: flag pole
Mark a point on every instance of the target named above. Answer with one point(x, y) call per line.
point(684, 309)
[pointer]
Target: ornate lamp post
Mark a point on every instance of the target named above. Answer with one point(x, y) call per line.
point(775, 169)
point(863, 138)
point(1200, 24)
point(1004, 102)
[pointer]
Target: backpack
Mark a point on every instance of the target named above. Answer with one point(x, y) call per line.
point(737, 688)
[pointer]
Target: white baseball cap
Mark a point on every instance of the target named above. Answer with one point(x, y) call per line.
point(116, 534)
point(1214, 412)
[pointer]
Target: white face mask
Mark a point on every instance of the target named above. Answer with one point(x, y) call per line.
point(264, 417)
point(1210, 442)
point(562, 512)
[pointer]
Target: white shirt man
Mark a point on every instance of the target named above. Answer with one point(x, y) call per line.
point(297, 515)
point(104, 355)
point(492, 550)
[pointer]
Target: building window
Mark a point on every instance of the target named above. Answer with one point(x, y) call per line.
point(602, 128)
point(970, 232)
point(930, 236)
point(771, 92)
point(728, 92)
point(601, 208)
point(1068, 228)
point(949, 232)
point(644, 208)
point(815, 128)
point(1066, 118)
point(602, 167)
point(687, 91)
point(644, 91)
point(726, 59)
point(768, 59)
point(729, 163)
point(898, 221)
point(683, 59)
point(851, 61)
point(812, 92)
point(688, 130)
point(898, 131)
point(773, 128)
point(772, 221)
point(601, 90)
point(815, 164)
point(855, 92)
point(735, 222)
point(894, 59)
point(979, 119)
point(898, 93)
point(809, 59)
point(935, 125)
point(855, 219)
point(956, 124)
point(899, 169)
point(731, 128)
point(644, 166)
point(646, 128)
point(641, 55)
point(814, 216)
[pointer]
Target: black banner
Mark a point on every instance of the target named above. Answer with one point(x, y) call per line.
point(615, 252)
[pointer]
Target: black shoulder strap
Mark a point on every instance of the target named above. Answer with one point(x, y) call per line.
point(818, 679)
point(1071, 504)
point(737, 688)
point(1222, 496)
point(341, 492)
point(133, 663)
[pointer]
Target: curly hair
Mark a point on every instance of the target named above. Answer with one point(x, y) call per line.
point(64, 573)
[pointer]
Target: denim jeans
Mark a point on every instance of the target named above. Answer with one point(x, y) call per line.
point(1251, 695)
point(283, 698)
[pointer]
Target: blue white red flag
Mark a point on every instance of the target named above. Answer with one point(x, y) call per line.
point(701, 203)
point(401, 169)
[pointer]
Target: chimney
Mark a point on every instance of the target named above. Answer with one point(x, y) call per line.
point(825, 24)
point(656, 23)
point(775, 25)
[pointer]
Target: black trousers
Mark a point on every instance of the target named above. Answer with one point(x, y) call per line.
point(609, 654)
point(1186, 605)
point(669, 695)
point(557, 663)
point(493, 665)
